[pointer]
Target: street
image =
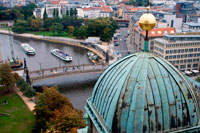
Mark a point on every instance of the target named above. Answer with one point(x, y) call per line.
point(122, 47)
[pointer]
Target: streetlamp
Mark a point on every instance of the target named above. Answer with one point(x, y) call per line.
point(147, 22)
point(40, 66)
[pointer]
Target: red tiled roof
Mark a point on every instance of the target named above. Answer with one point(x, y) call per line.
point(158, 32)
point(87, 9)
point(55, 2)
point(106, 9)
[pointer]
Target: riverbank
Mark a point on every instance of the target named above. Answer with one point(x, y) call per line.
point(99, 50)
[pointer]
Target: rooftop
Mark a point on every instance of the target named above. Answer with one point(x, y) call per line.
point(142, 93)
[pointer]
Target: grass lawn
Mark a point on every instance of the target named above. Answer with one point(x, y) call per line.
point(20, 120)
point(4, 28)
point(48, 33)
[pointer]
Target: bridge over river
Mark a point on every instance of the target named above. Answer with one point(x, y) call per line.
point(66, 70)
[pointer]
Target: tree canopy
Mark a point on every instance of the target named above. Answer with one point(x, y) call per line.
point(55, 112)
point(7, 78)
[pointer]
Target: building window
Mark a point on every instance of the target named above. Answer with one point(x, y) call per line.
point(182, 56)
point(175, 51)
point(189, 60)
point(179, 51)
point(171, 51)
point(185, 61)
point(195, 49)
point(186, 50)
point(166, 57)
point(195, 55)
point(173, 62)
point(185, 56)
point(189, 66)
point(178, 56)
point(194, 60)
point(195, 65)
point(159, 32)
point(182, 66)
point(181, 61)
point(190, 55)
point(182, 50)
point(177, 61)
point(197, 60)
point(198, 54)
point(198, 49)
point(170, 57)
point(167, 51)
point(174, 56)
point(191, 50)
point(153, 32)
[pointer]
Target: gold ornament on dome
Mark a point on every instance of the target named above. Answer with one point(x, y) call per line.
point(147, 21)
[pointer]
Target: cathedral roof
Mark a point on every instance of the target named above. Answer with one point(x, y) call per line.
point(142, 93)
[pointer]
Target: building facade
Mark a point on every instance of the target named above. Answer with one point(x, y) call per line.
point(182, 50)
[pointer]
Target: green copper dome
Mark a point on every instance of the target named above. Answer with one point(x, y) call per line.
point(142, 93)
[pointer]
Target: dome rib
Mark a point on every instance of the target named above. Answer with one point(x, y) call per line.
point(143, 93)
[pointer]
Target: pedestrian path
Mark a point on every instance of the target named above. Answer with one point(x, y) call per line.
point(26, 100)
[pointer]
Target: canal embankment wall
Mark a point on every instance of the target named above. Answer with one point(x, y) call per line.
point(100, 51)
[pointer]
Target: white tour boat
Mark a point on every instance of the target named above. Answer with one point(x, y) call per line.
point(58, 53)
point(28, 49)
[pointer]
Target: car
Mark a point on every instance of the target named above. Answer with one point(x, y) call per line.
point(116, 44)
point(125, 39)
point(115, 40)
point(115, 37)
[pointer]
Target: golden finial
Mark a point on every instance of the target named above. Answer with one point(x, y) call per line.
point(148, 8)
point(147, 21)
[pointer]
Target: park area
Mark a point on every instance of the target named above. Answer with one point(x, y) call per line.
point(19, 118)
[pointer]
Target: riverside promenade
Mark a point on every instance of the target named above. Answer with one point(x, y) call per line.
point(99, 50)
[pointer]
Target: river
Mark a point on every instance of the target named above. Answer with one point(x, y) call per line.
point(77, 88)
point(43, 57)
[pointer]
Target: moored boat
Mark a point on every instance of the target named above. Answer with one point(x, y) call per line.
point(93, 57)
point(15, 63)
point(58, 53)
point(28, 49)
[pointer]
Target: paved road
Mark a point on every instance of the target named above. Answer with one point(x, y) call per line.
point(122, 48)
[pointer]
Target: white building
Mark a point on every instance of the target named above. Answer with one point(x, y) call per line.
point(88, 12)
point(191, 27)
point(174, 22)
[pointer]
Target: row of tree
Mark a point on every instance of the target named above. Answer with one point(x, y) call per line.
point(26, 88)
point(69, 23)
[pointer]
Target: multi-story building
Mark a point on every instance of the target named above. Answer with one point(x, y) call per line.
point(182, 50)
point(191, 27)
point(183, 9)
point(137, 36)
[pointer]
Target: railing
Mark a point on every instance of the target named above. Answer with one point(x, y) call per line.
point(66, 70)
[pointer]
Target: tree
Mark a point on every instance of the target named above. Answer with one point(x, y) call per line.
point(54, 13)
point(80, 32)
point(70, 30)
point(30, 92)
point(47, 23)
point(75, 12)
point(107, 34)
point(7, 79)
point(36, 24)
point(67, 12)
point(45, 16)
point(71, 12)
point(56, 28)
point(20, 26)
point(50, 112)
point(198, 79)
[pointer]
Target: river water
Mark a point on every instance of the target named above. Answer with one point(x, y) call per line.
point(77, 88)
point(43, 57)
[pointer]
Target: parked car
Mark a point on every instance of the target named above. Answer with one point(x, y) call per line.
point(116, 44)
point(115, 40)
